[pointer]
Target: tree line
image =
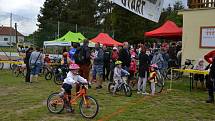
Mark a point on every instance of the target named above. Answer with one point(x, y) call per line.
point(91, 17)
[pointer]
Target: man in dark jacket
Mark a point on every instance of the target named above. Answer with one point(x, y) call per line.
point(26, 60)
point(124, 56)
point(84, 60)
point(106, 68)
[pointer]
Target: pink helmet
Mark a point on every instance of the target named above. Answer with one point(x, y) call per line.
point(74, 66)
point(154, 66)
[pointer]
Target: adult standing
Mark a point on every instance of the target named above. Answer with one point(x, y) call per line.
point(106, 68)
point(35, 61)
point(210, 80)
point(173, 53)
point(144, 63)
point(124, 56)
point(98, 63)
point(165, 56)
point(84, 60)
point(26, 61)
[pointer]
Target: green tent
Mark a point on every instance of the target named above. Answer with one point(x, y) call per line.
point(72, 37)
point(66, 40)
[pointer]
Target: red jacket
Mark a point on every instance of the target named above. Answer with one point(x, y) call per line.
point(133, 66)
point(209, 57)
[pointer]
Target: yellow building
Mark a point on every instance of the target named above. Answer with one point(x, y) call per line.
point(196, 43)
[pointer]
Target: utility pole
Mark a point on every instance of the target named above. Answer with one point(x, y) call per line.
point(16, 33)
point(76, 28)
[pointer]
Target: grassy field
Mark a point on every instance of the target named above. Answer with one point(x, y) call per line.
point(21, 101)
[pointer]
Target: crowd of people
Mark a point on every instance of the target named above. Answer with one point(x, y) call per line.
point(109, 63)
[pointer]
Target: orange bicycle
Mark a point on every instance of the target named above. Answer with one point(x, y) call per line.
point(88, 105)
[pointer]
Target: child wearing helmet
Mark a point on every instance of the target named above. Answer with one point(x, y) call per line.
point(70, 81)
point(117, 77)
point(152, 77)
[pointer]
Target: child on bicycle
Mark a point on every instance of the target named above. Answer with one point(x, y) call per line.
point(70, 81)
point(118, 73)
point(152, 77)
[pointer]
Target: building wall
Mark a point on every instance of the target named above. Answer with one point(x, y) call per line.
point(192, 21)
point(13, 40)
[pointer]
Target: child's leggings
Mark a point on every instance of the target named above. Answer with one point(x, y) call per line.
point(153, 88)
point(142, 83)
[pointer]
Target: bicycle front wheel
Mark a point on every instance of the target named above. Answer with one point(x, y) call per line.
point(89, 107)
point(48, 76)
point(58, 80)
point(175, 74)
point(127, 90)
point(55, 103)
point(159, 85)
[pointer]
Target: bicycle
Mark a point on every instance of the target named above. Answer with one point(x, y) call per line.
point(188, 64)
point(88, 105)
point(159, 85)
point(19, 70)
point(123, 86)
point(60, 75)
point(51, 73)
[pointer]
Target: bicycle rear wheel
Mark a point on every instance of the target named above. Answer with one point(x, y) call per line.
point(90, 108)
point(111, 86)
point(55, 103)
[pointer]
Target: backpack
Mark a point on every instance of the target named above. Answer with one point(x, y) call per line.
point(84, 56)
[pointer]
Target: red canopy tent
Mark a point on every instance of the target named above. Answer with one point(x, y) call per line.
point(168, 30)
point(105, 39)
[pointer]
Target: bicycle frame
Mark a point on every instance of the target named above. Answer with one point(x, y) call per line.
point(82, 93)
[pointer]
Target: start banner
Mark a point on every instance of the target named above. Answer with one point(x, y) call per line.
point(149, 9)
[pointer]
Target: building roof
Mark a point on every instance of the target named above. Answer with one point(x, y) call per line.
point(8, 31)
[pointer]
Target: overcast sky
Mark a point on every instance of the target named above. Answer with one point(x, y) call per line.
point(26, 12)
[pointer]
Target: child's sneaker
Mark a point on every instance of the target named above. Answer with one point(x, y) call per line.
point(138, 92)
point(145, 93)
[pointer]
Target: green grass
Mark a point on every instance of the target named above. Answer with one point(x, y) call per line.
point(21, 101)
